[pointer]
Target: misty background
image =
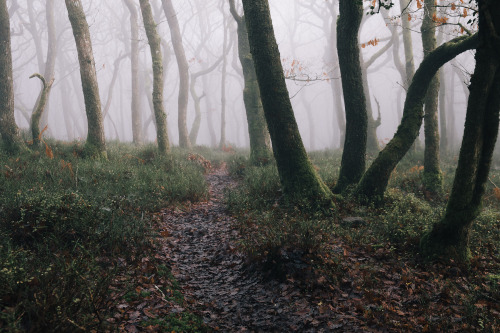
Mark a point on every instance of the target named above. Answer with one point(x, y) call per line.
point(303, 30)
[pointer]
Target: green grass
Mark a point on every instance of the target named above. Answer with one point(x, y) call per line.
point(64, 220)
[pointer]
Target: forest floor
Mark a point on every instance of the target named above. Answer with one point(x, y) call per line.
point(198, 269)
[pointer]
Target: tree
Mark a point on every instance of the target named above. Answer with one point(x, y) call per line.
point(432, 177)
point(155, 46)
point(39, 108)
point(183, 66)
point(372, 185)
point(353, 157)
point(134, 67)
point(300, 182)
point(260, 145)
point(8, 129)
point(450, 236)
point(95, 145)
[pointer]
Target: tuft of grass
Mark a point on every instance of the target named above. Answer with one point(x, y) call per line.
point(63, 221)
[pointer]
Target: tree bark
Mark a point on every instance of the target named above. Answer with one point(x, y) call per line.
point(155, 46)
point(353, 156)
point(39, 108)
point(222, 142)
point(183, 66)
point(450, 236)
point(432, 176)
point(372, 186)
point(137, 136)
point(260, 142)
point(300, 182)
point(50, 62)
point(11, 138)
point(95, 145)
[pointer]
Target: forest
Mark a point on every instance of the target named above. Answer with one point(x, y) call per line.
point(249, 166)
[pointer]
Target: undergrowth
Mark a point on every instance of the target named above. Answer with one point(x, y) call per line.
point(64, 219)
point(390, 233)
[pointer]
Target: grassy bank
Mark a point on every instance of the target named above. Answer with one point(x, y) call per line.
point(65, 220)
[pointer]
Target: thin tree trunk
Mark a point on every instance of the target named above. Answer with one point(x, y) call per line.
point(353, 156)
point(300, 182)
point(50, 62)
point(183, 66)
point(95, 145)
point(432, 177)
point(222, 142)
point(137, 136)
point(155, 46)
point(12, 141)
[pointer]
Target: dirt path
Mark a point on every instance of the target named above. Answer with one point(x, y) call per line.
point(231, 295)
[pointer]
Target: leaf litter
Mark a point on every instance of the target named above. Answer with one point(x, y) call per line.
point(346, 288)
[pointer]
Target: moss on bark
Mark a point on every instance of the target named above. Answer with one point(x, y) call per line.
point(374, 182)
point(95, 138)
point(12, 142)
point(300, 182)
point(260, 141)
point(353, 157)
point(155, 46)
point(450, 236)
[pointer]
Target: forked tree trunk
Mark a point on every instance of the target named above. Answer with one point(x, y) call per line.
point(12, 141)
point(260, 142)
point(450, 236)
point(372, 186)
point(95, 145)
point(39, 108)
point(155, 46)
point(353, 156)
point(183, 66)
point(300, 182)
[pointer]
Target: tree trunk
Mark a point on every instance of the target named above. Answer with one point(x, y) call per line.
point(450, 236)
point(260, 145)
point(155, 46)
point(95, 145)
point(50, 62)
point(8, 129)
point(183, 66)
point(408, 45)
point(353, 156)
point(39, 108)
point(372, 186)
point(137, 136)
point(222, 142)
point(432, 177)
point(300, 182)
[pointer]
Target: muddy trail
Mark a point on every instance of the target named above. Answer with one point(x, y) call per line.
point(230, 294)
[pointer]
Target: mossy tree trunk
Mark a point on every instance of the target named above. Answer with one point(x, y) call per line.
point(11, 138)
point(39, 108)
point(372, 186)
point(95, 145)
point(300, 182)
point(260, 141)
point(137, 136)
point(450, 236)
point(432, 177)
point(183, 66)
point(155, 46)
point(353, 156)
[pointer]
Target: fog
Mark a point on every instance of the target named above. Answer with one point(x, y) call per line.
point(303, 31)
